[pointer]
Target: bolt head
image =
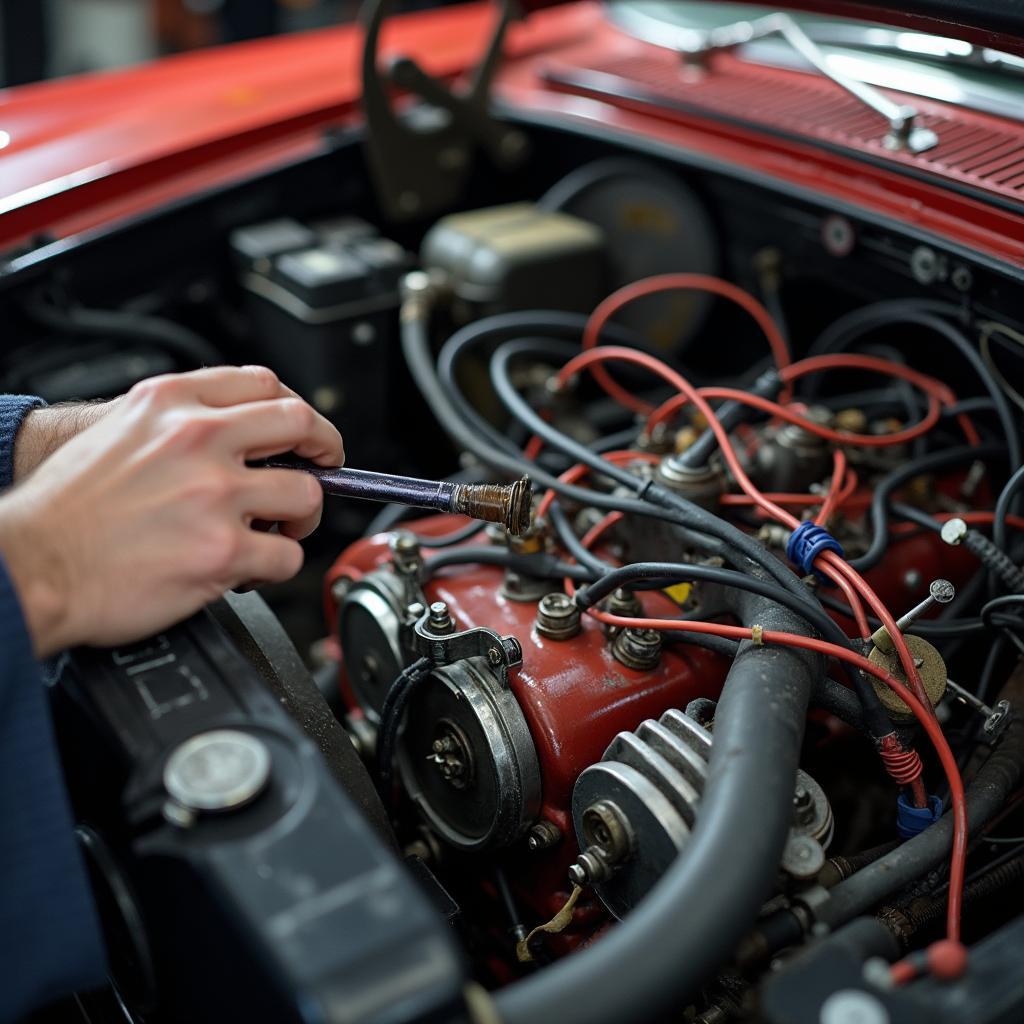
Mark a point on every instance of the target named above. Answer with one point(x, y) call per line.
point(577, 875)
point(954, 531)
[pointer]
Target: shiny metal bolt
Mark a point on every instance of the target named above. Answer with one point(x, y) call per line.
point(558, 618)
point(440, 620)
point(543, 835)
point(638, 649)
point(803, 805)
point(405, 553)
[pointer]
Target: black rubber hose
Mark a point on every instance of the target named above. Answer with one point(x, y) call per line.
point(1003, 504)
point(891, 482)
point(550, 324)
point(910, 918)
point(416, 348)
point(997, 561)
point(692, 921)
point(986, 795)
point(860, 321)
point(448, 540)
point(172, 337)
point(730, 415)
point(540, 565)
point(840, 701)
point(567, 536)
point(685, 512)
point(928, 315)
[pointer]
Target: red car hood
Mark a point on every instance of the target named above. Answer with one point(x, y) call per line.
point(86, 151)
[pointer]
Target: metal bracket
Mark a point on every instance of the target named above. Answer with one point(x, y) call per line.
point(996, 718)
point(502, 653)
point(420, 160)
point(904, 131)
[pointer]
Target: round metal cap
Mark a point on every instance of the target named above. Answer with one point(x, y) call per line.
point(217, 770)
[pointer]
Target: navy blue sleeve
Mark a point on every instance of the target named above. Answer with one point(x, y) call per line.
point(50, 942)
point(13, 409)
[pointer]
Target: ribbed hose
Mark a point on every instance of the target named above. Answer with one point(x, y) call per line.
point(996, 561)
point(907, 920)
point(693, 920)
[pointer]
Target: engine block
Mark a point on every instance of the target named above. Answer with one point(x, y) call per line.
point(490, 766)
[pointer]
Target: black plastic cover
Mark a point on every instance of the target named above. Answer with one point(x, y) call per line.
point(289, 908)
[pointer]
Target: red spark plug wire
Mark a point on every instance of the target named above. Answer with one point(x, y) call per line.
point(673, 282)
point(828, 561)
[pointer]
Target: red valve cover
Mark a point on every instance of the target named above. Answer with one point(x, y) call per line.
point(574, 695)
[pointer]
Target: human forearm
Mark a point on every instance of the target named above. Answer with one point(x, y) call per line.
point(146, 515)
point(44, 430)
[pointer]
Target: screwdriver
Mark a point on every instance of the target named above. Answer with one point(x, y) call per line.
point(508, 504)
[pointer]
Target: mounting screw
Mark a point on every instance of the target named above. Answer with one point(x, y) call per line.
point(440, 620)
point(558, 618)
point(543, 835)
point(590, 866)
point(803, 805)
point(405, 553)
point(638, 649)
point(340, 588)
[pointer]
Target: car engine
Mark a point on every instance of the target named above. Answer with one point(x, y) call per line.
point(731, 733)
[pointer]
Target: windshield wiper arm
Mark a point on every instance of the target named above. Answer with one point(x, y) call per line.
point(905, 131)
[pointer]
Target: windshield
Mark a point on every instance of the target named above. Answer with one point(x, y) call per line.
point(936, 67)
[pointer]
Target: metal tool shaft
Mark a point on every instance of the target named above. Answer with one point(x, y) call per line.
point(508, 504)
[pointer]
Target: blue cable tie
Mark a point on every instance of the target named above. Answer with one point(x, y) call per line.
point(808, 541)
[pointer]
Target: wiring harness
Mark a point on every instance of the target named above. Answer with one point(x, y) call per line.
point(838, 611)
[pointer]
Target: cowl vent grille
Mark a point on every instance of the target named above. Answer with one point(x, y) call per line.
point(974, 149)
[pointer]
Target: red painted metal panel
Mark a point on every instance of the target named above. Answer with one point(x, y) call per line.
point(87, 152)
point(812, 107)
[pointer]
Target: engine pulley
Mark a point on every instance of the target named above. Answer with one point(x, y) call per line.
point(467, 758)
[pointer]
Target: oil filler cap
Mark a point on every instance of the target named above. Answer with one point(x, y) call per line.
point(215, 771)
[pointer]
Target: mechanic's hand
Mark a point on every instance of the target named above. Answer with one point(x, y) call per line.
point(146, 516)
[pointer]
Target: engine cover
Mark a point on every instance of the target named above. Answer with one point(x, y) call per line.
point(513, 755)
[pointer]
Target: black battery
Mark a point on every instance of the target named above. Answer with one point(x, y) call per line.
point(322, 299)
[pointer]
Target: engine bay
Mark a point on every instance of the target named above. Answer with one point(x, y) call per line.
point(740, 710)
